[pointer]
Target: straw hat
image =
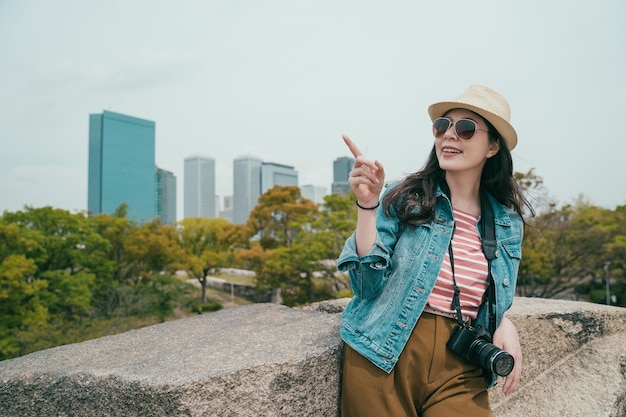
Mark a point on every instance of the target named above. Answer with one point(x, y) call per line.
point(486, 102)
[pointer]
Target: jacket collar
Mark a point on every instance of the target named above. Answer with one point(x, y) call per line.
point(501, 214)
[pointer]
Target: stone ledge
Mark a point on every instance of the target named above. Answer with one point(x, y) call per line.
point(270, 360)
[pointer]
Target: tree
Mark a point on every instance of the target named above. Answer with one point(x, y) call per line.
point(565, 248)
point(292, 269)
point(116, 230)
point(20, 306)
point(153, 248)
point(615, 257)
point(296, 237)
point(205, 243)
point(68, 240)
point(66, 277)
point(335, 223)
point(280, 215)
point(532, 186)
point(47, 256)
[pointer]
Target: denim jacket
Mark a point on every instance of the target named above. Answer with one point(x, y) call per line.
point(392, 282)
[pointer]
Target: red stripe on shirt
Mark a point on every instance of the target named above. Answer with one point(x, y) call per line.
point(470, 269)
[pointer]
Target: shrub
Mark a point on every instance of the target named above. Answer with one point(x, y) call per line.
point(206, 307)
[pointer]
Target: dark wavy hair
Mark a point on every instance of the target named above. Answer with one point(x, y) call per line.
point(413, 199)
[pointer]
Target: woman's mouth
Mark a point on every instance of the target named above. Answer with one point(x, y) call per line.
point(450, 151)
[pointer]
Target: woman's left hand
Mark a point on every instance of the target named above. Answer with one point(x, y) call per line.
point(507, 338)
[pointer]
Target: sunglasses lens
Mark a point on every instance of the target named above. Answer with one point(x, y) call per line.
point(440, 126)
point(465, 128)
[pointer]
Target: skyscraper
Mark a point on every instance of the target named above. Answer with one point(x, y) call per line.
point(227, 211)
point(314, 193)
point(121, 165)
point(277, 174)
point(199, 187)
point(341, 170)
point(165, 196)
point(246, 186)
point(251, 178)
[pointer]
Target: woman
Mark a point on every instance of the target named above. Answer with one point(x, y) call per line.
point(397, 325)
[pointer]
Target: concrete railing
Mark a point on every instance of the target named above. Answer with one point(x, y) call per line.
point(271, 360)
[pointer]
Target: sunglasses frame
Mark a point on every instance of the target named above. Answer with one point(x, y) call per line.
point(453, 123)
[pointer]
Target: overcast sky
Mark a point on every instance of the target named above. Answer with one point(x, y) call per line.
point(283, 79)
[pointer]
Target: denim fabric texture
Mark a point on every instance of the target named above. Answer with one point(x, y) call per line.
point(392, 283)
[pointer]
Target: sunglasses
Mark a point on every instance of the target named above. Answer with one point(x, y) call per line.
point(463, 128)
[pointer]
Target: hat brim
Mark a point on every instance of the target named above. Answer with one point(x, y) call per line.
point(503, 127)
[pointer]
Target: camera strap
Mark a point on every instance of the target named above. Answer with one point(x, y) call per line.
point(456, 299)
point(490, 249)
point(489, 245)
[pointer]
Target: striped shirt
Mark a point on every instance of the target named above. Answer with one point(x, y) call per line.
point(470, 269)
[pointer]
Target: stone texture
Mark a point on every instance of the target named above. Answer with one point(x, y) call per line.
point(270, 360)
point(256, 360)
point(574, 360)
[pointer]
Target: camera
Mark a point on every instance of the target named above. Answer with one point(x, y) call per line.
point(474, 344)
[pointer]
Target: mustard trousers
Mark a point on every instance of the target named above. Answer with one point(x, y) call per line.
point(429, 380)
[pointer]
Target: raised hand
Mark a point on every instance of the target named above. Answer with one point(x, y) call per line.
point(366, 178)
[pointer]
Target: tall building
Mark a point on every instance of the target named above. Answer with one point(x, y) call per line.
point(314, 193)
point(277, 174)
point(227, 211)
point(121, 165)
point(246, 186)
point(251, 178)
point(165, 196)
point(199, 188)
point(341, 170)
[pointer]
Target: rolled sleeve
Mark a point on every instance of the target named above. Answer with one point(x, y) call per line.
point(368, 273)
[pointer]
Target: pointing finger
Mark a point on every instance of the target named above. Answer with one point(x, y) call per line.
point(353, 148)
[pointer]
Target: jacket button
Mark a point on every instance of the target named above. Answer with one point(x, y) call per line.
point(506, 282)
point(497, 253)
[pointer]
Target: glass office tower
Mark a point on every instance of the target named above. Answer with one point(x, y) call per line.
point(199, 187)
point(246, 186)
point(277, 174)
point(341, 171)
point(165, 196)
point(121, 165)
point(314, 193)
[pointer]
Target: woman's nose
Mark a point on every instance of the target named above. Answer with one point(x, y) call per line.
point(450, 133)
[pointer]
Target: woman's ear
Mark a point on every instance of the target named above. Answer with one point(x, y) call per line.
point(494, 148)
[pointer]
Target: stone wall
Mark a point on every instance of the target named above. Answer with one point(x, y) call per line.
point(271, 360)
point(249, 292)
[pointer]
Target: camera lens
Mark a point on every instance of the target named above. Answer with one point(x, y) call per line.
point(502, 363)
point(491, 357)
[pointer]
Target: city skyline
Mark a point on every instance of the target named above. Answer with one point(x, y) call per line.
point(221, 81)
point(121, 159)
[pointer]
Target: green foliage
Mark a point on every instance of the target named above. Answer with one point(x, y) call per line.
point(67, 277)
point(280, 215)
point(67, 296)
point(565, 251)
point(206, 244)
point(345, 294)
point(293, 270)
point(335, 223)
point(20, 306)
point(297, 237)
point(206, 307)
point(67, 241)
